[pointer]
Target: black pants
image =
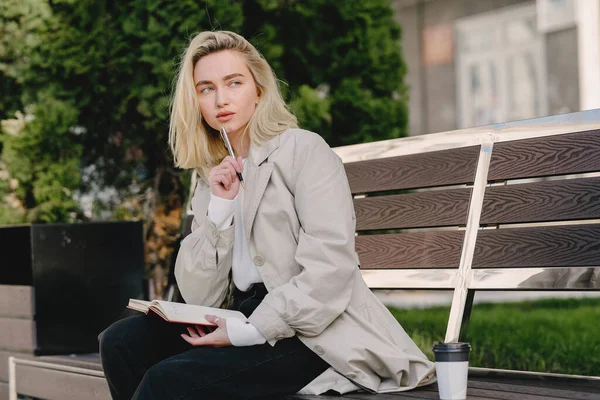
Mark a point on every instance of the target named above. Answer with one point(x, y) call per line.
point(144, 357)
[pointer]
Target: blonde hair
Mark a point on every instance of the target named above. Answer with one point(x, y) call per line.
point(193, 142)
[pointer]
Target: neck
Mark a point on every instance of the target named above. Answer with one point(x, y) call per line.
point(241, 145)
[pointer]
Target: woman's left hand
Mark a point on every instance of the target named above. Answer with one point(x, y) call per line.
point(217, 338)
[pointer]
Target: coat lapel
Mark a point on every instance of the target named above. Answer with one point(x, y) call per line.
point(258, 173)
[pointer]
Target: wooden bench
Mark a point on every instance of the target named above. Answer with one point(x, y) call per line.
point(506, 207)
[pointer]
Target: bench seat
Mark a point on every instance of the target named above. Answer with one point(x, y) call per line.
point(79, 377)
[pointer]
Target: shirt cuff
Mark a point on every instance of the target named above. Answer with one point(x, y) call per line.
point(243, 333)
point(220, 211)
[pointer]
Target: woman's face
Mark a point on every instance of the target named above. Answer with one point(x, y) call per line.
point(226, 91)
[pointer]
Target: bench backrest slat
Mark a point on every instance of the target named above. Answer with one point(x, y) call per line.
point(571, 153)
point(562, 200)
point(435, 208)
point(548, 246)
point(436, 168)
point(433, 249)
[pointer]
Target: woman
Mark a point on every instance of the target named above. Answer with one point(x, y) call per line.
point(279, 248)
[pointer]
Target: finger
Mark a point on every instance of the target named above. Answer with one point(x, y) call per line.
point(240, 163)
point(223, 169)
point(190, 340)
point(209, 328)
point(228, 162)
point(226, 182)
point(192, 332)
point(234, 164)
point(225, 166)
point(231, 174)
point(216, 177)
point(200, 330)
point(197, 340)
point(226, 159)
point(223, 180)
point(220, 322)
point(231, 169)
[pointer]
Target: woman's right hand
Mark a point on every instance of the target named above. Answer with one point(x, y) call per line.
point(223, 178)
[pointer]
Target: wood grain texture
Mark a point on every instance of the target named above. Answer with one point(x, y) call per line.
point(546, 156)
point(512, 390)
point(519, 387)
point(435, 208)
point(437, 168)
point(481, 390)
point(542, 201)
point(418, 393)
point(550, 246)
point(502, 395)
point(536, 381)
point(436, 249)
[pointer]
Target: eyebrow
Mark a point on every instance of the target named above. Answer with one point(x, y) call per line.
point(225, 78)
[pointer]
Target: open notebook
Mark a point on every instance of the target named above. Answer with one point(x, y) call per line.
point(183, 313)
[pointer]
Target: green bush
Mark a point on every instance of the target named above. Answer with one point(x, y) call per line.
point(340, 65)
point(556, 335)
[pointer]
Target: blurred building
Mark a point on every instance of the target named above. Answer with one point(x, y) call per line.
point(477, 62)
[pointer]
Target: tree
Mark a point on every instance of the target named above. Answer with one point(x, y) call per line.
point(20, 22)
point(115, 62)
point(93, 79)
point(342, 57)
point(44, 160)
point(40, 163)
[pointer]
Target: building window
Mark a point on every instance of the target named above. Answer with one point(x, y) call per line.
point(500, 70)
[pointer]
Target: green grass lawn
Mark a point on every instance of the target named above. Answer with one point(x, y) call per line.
point(557, 335)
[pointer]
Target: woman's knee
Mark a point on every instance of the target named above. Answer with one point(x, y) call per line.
point(119, 333)
point(161, 381)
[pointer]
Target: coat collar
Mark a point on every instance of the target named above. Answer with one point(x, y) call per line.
point(259, 153)
point(257, 177)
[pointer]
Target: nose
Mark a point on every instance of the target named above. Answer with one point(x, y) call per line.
point(221, 98)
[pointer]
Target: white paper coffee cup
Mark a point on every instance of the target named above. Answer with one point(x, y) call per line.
point(452, 369)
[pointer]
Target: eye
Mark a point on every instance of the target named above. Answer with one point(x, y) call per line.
point(205, 90)
point(235, 83)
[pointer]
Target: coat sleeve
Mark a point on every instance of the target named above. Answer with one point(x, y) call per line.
point(204, 259)
point(314, 298)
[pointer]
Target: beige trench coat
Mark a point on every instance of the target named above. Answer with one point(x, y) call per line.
point(300, 223)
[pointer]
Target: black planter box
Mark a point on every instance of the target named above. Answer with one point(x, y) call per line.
point(82, 277)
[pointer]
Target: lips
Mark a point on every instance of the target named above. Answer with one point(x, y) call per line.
point(225, 115)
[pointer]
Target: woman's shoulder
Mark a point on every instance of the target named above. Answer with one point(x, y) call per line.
point(301, 140)
point(301, 147)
